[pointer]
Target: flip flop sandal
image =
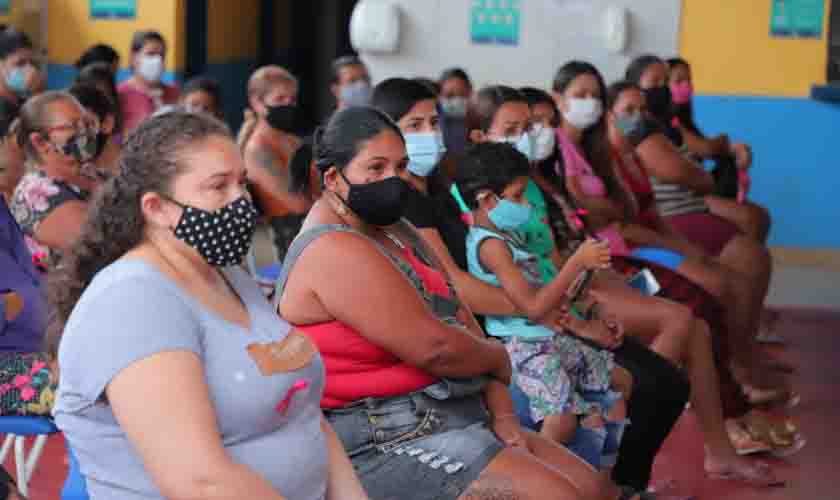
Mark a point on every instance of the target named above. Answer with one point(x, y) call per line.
point(783, 437)
point(788, 398)
point(762, 423)
point(798, 443)
point(758, 475)
point(628, 493)
point(744, 442)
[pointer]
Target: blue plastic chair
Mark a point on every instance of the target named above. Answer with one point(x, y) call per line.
point(75, 487)
point(16, 429)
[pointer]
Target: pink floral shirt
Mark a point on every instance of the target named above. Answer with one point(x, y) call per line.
point(35, 197)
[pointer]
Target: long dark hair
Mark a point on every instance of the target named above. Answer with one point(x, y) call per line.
point(684, 112)
point(12, 40)
point(452, 73)
point(486, 103)
point(99, 53)
point(99, 75)
point(396, 96)
point(151, 159)
point(595, 144)
point(337, 143)
point(616, 89)
point(637, 67)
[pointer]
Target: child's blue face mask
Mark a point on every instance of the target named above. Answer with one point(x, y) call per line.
point(16, 81)
point(509, 216)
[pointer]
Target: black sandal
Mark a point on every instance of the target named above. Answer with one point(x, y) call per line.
point(7, 484)
point(628, 493)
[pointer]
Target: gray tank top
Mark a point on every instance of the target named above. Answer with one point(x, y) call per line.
point(445, 308)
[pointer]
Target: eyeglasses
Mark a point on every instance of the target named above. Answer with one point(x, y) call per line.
point(81, 125)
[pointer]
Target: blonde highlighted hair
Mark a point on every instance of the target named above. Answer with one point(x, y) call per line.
point(260, 84)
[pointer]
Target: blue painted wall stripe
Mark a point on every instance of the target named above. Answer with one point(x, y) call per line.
point(796, 172)
point(61, 76)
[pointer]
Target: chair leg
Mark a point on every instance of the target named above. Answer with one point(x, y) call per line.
point(7, 447)
point(20, 465)
point(35, 454)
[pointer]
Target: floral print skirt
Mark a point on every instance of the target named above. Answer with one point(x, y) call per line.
point(554, 373)
point(27, 384)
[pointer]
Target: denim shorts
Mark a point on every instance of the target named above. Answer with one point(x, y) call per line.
point(415, 447)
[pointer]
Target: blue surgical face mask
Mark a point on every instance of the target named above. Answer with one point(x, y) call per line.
point(455, 107)
point(424, 152)
point(16, 81)
point(628, 124)
point(509, 216)
point(523, 143)
point(356, 93)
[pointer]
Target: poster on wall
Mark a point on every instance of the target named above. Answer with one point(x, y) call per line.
point(113, 9)
point(797, 18)
point(495, 22)
point(5, 7)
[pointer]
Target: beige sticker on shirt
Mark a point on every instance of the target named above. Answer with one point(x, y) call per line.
point(287, 355)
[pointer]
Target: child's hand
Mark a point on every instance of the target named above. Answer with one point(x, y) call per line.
point(509, 431)
point(616, 327)
point(606, 333)
point(593, 254)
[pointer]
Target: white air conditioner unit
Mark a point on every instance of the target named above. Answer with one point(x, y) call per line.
point(616, 28)
point(375, 26)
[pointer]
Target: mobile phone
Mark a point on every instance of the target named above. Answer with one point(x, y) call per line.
point(645, 282)
point(581, 285)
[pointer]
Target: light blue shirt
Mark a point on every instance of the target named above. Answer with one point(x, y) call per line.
point(132, 311)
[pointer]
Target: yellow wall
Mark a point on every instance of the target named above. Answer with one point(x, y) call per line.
point(729, 46)
point(232, 30)
point(71, 30)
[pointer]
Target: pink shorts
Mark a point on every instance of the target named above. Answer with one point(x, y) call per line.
point(705, 229)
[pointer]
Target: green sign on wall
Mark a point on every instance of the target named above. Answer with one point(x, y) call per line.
point(5, 7)
point(495, 21)
point(113, 9)
point(797, 18)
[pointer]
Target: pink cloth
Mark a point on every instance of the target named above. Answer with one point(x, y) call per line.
point(575, 165)
point(137, 104)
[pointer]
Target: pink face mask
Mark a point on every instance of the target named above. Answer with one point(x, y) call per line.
point(681, 92)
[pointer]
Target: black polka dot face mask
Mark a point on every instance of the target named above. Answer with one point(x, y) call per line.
point(223, 236)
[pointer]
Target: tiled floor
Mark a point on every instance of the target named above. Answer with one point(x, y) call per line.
point(811, 474)
point(814, 331)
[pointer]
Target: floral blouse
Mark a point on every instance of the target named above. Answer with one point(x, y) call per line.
point(35, 198)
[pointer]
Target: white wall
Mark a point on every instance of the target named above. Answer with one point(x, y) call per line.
point(435, 35)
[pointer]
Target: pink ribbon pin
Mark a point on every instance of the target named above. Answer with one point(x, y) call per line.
point(298, 386)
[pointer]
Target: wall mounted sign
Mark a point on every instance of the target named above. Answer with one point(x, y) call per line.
point(495, 21)
point(113, 9)
point(5, 7)
point(797, 18)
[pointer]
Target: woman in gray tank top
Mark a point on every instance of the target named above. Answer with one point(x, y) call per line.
point(177, 378)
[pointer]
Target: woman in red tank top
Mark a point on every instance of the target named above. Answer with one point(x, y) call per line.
point(404, 358)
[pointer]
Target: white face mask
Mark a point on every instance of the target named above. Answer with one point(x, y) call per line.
point(583, 113)
point(544, 142)
point(150, 67)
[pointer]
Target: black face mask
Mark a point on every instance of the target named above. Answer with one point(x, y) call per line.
point(659, 101)
point(282, 118)
point(81, 146)
point(378, 203)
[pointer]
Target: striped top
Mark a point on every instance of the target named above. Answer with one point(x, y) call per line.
point(673, 199)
